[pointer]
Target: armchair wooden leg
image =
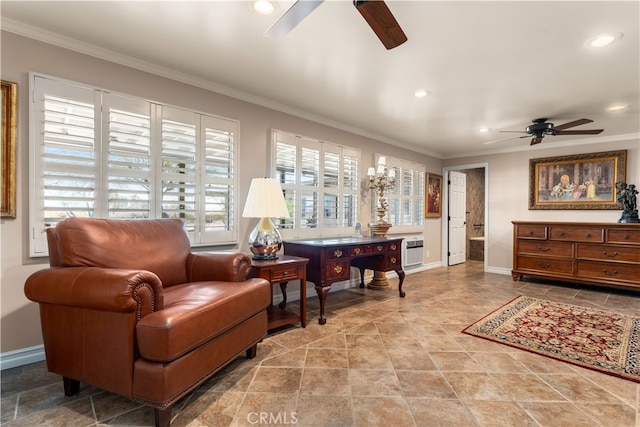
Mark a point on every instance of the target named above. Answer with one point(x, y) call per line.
point(71, 386)
point(163, 416)
point(252, 351)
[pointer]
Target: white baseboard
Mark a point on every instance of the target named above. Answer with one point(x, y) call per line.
point(22, 356)
point(498, 270)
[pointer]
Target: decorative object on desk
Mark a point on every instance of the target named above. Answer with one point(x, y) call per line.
point(583, 181)
point(433, 196)
point(8, 155)
point(381, 180)
point(594, 339)
point(265, 201)
point(626, 195)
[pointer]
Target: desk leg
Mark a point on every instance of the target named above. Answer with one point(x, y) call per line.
point(401, 275)
point(322, 295)
point(283, 288)
point(361, 277)
point(303, 302)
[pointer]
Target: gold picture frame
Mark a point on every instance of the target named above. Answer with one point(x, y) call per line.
point(8, 151)
point(433, 196)
point(579, 182)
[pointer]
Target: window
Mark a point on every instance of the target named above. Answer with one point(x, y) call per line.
point(406, 199)
point(320, 183)
point(98, 154)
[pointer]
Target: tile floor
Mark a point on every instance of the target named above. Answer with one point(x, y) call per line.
point(379, 361)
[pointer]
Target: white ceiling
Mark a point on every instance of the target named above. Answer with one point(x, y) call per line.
point(493, 64)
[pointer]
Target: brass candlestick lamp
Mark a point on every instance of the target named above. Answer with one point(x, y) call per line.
point(381, 180)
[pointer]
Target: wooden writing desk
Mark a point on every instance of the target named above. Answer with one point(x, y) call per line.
point(330, 260)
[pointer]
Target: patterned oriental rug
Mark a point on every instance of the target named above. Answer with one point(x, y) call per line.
point(600, 340)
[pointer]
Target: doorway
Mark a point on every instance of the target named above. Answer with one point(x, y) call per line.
point(476, 223)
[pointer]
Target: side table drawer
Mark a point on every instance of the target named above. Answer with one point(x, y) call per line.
point(284, 274)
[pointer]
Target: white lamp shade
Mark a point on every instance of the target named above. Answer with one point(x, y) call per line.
point(265, 200)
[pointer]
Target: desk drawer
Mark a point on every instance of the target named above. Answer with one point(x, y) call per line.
point(340, 270)
point(583, 234)
point(284, 274)
point(337, 252)
point(609, 253)
point(558, 249)
point(545, 265)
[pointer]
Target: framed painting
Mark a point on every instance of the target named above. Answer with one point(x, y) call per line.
point(8, 151)
point(433, 196)
point(582, 181)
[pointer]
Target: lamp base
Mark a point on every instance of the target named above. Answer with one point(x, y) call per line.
point(265, 241)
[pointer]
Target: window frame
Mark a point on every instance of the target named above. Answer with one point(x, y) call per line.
point(396, 196)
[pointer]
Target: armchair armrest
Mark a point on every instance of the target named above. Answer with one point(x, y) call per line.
point(107, 289)
point(224, 266)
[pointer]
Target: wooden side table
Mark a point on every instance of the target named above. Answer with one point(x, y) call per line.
point(281, 271)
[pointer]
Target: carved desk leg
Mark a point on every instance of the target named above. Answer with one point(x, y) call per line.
point(322, 295)
point(361, 277)
point(283, 288)
point(401, 275)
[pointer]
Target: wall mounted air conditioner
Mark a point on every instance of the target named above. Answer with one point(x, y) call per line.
point(412, 250)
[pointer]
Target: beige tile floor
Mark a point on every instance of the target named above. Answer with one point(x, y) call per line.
point(379, 361)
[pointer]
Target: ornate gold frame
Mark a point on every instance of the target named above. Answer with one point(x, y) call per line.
point(9, 112)
point(435, 181)
point(579, 182)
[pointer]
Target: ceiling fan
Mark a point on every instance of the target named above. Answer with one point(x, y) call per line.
point(540, 128)
point(375, 12)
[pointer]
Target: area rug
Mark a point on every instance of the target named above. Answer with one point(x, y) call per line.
point(595, 339)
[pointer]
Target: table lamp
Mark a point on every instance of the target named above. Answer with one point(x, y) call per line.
point(265, 201)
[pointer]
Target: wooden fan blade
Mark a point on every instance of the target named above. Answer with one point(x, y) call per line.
point(573, 124)
point(536, 140)
point(292, 17)
point(580, 132)
point(382, 22)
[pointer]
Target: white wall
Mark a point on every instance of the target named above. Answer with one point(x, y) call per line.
point(19, 320)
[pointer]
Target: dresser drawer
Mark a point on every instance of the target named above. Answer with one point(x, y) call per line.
point(532, 232)
point(623, 236)
point(339, 270)
point(609, 253)
point(556, 249)
point(582, 234)
point(609, 271)
point(545, 265)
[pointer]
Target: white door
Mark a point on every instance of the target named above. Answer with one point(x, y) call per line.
point(457, 217)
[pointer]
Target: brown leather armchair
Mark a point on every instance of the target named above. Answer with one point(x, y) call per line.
point(127, 307)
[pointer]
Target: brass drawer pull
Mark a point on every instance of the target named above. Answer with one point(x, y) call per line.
point(541, 249)
point(393, 246)
point(544, 265)
point(588, 235)
point(627, 236)
point(530, 232)
point(393, 260)
point(337, 253)
point(561, 233)
point(610, 254)
point(337, 269)
point(356, 251)
point(379, 248)
point(610, 273)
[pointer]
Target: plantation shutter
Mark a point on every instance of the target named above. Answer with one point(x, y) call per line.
point(286, 162)
point(350, 187)
point(65, 157)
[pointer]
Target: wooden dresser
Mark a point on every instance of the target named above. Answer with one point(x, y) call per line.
point(606, 254)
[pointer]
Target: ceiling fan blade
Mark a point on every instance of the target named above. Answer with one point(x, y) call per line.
point(382, 22)
point(512, 131)
point(573, 124)
point(536, 140)
point(580, 132)
point(292, 17)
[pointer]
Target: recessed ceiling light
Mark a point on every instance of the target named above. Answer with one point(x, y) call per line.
point(484, 130)
point(421, 93)
point(602, 40)
point(264, 7)
point(618, 107)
